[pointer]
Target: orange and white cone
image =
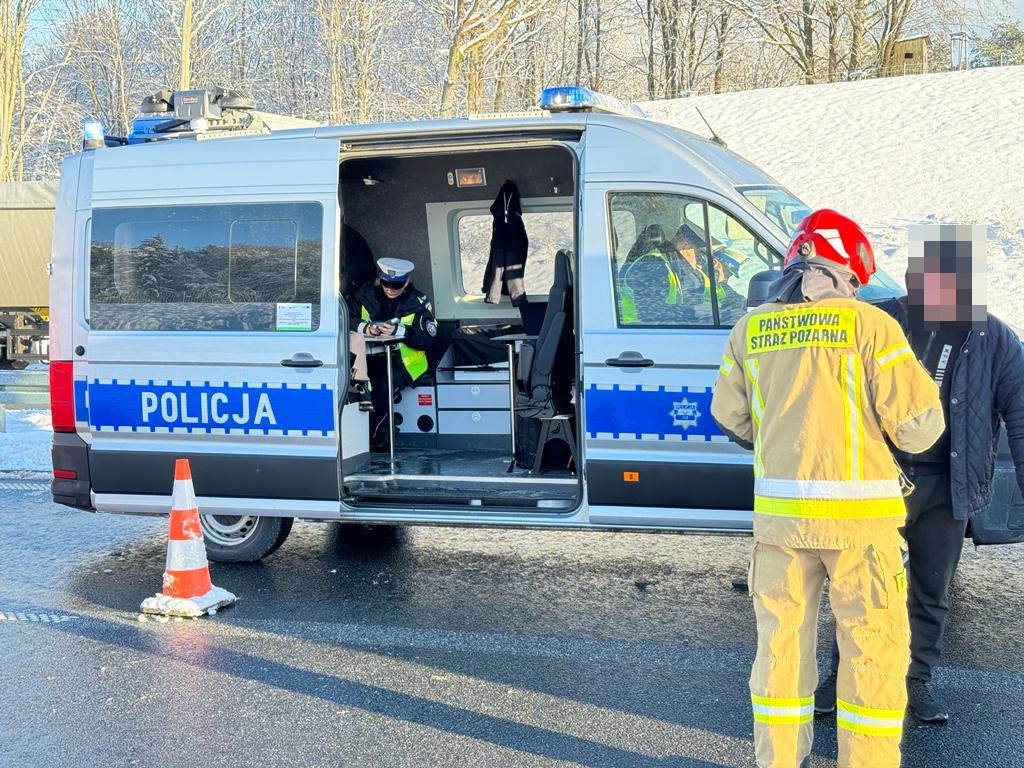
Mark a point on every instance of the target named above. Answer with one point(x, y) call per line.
point(187, 590)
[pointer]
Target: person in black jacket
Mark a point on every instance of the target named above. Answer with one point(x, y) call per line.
point(979, 367)
point(391, 306)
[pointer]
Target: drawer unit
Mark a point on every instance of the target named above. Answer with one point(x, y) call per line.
point(473, 422)
point(475, 396)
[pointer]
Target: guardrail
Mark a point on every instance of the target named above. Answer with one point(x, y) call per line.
point(22, 390)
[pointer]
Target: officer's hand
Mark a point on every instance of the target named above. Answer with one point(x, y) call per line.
point(386, 329)
point(372, 330)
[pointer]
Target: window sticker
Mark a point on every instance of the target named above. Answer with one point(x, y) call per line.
point(294, 317)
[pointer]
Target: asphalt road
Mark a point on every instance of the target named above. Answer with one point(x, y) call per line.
point(431, 647)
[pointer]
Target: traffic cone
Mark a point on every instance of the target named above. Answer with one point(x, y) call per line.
point(187, 590)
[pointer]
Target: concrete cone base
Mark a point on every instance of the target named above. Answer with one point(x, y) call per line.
point(188, 607)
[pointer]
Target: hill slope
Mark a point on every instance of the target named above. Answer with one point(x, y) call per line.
point(944, 147)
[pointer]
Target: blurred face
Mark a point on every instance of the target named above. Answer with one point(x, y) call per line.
point(946, 276)
point(393, 290)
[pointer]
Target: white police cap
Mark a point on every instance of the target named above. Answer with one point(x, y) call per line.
point(394, 270)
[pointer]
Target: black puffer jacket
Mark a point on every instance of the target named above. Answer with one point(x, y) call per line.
point(987, 384)
point(506, 263)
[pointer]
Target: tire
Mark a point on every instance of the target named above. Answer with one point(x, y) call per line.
point(243, 538)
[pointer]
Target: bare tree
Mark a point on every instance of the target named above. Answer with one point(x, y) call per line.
point(788, 25)
point(471, 26)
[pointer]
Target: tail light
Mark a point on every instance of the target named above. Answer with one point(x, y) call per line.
point(62, 395)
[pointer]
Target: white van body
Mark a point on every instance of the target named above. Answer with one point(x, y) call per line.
point(152, 379)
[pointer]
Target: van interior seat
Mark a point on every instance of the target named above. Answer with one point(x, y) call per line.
point(546, 364)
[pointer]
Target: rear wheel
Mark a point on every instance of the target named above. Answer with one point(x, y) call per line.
point(243, 538)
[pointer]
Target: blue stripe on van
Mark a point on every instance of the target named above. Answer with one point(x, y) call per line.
point(147, 406)
point(81, 401)
point(655, 413)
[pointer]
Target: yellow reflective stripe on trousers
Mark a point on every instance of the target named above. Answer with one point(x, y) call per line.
point(782, 711)
point(780, 488)
point(873, 722)
point(757, 411)
point(727, 364)
point(835, 509)
point(853, 421)
point(889, 356)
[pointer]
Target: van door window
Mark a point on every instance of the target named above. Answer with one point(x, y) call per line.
point(738, 256)
point(667, 247)
point(252, 267)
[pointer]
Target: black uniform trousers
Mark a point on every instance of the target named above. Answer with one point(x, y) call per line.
point(935, 540)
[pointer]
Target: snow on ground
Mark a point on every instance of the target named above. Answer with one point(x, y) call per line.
point(25, 445)
point(891, 152)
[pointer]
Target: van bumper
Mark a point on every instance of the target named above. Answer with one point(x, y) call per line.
point(71, 453)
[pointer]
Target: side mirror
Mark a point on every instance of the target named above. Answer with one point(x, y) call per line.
point(757, 288)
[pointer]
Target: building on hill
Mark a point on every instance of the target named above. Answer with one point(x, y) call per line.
point(910, 56)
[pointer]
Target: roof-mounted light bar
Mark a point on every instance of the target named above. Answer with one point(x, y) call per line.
point(576, 98)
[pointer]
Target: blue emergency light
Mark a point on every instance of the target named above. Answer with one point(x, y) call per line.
point(92, 134)
point(576, 98)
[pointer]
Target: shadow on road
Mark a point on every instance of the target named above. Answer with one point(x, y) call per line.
point(502, 732)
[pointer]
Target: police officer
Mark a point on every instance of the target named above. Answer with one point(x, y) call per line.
point(656, 286)
point(392, 307)
point(813, 381)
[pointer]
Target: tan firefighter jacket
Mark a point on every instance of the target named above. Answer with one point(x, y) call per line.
point(812, 387)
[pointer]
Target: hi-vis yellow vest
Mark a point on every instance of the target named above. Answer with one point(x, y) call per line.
point(414, 361)
point(816, 387)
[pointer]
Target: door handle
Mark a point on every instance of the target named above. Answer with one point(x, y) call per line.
point(629, 359)
point(302, 360)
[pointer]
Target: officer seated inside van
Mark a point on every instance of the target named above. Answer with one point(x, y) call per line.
point(391, 307)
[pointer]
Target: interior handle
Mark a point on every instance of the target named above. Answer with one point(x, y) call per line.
point(630, 359)
point(302, 360)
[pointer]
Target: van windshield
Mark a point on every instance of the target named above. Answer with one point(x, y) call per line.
point(781, 207)
point(785, 211)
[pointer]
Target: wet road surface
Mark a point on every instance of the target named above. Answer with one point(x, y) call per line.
point(432, 647)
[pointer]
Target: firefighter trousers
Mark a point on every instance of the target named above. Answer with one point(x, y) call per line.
point(867, 592)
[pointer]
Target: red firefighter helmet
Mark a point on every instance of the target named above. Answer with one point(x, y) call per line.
point(827, 236)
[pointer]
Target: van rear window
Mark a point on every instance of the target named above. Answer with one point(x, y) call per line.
point(244, 267)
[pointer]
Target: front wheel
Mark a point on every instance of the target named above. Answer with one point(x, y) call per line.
point(243, 538)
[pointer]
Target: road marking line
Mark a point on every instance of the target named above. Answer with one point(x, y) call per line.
point(49, 618)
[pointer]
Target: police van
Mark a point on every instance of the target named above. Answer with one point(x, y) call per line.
point(201, 268)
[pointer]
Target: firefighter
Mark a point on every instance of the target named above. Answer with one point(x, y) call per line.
point(392, 306)
point(814, 381)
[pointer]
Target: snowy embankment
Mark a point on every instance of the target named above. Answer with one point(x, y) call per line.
point(935, 148)
point(25, 445)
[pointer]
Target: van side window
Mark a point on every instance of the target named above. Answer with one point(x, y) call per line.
point(665, 250)
point(548, 233)
point(251, 267)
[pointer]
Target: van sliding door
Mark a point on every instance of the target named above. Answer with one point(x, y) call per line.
point(210, 325)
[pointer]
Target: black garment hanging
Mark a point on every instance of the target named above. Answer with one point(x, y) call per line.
point(506, 263)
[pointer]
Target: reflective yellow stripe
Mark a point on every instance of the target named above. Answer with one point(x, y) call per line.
point(872, 722)
point(364, 315)
point(779, 711)
point(827, 489)
point(726, 367)
point(757, 411)
point(837, 509)
point(834, 327)
point(771, 701)
point(889, 356)
point(783, 719)
point(853, 420)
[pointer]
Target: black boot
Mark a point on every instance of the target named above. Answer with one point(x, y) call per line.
point(825, 695)
point(359, 391)
point(924, 704)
